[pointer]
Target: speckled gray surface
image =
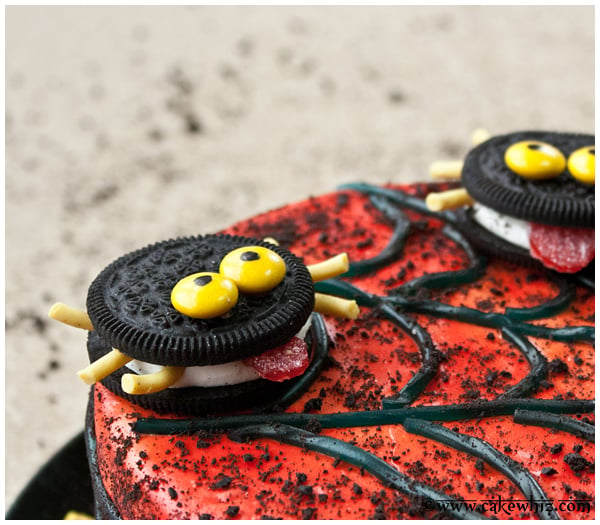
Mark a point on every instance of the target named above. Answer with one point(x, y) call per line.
point(126, 126)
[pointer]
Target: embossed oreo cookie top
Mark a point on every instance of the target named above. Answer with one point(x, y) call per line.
point(542, 177)
point(132, 303)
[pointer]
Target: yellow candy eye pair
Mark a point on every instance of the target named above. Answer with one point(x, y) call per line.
point(249, 269)
point(538, 161)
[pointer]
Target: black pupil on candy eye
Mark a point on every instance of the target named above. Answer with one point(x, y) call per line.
point(593, 151)
point(249, 256)
point(203, 280)
point(534, 147)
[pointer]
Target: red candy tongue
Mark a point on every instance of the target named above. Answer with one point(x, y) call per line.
point(281, 363)
point(567, 250)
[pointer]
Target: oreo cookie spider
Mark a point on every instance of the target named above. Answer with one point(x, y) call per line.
point(528, 197)
point(204, 324)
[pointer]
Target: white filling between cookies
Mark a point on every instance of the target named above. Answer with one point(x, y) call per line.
point(514, 231)
point(224, 374)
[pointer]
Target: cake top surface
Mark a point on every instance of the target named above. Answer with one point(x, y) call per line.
point(465, 379)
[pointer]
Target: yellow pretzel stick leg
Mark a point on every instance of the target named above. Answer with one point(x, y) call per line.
point(446, 169)
point(271, 240)
point(103, 367)
point(71, 316)
point(448, 200)
point(75, 515)
point(330, 268)
point(150, 383)
point(479, 135)
point(336, 306)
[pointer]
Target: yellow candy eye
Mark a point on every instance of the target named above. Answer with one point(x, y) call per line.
point(582, 164)
point(253, 268)
point(532, 159)
point(204, 295)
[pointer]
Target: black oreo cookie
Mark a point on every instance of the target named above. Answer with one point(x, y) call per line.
point(129, 305)
point(562, 201)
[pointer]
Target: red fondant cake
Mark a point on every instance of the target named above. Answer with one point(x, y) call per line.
point(464, 389)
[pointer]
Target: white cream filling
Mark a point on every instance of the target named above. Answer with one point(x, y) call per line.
point(203, 376)
point(514, 231)
point(224, 374)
